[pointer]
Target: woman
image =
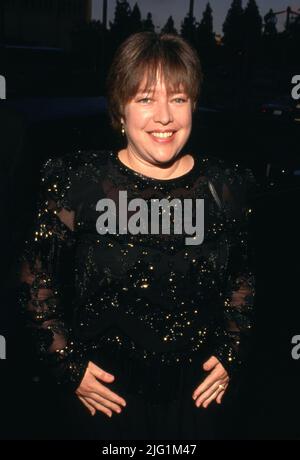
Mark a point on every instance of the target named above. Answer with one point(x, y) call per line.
point(150, 330)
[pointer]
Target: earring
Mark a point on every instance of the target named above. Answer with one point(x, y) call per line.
point(123, 130)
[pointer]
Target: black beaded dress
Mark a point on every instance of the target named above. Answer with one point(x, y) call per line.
point(146, 307)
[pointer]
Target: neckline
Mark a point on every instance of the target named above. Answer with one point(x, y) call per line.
point(138, 175)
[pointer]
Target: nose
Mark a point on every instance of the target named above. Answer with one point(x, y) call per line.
point(163, 112)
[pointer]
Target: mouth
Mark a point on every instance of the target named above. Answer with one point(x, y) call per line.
point(162, 137)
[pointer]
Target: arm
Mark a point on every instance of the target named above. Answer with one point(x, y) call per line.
point(234, 338)
point(235, 318)
point(45, 296)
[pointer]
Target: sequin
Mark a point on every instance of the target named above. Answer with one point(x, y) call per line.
point(158, 299)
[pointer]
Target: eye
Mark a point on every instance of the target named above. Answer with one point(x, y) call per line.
point(180, 100)
point(144, 99)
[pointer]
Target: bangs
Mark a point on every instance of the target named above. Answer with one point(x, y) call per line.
point(171, 72)
point(146, 58)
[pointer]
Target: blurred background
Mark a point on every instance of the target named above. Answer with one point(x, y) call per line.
point(54, 56)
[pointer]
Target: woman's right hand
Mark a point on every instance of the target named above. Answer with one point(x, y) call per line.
point(96, 396)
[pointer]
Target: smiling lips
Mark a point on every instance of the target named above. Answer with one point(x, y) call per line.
point(162, 136)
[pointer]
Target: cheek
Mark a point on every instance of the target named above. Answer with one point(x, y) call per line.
point(185, 118)
point(137, 118)
point(186, 123)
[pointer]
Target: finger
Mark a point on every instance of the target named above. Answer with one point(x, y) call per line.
point(211, 398)
point(220, 396)
point(99, 406)
point(215, 375)
point(206, 394)
point(100, 373)
point(220, 393)
point(89, 406)
point(210, 363)
point(105, 402)
point(106, 393)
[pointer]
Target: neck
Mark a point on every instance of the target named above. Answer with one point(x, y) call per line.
point(171, 170)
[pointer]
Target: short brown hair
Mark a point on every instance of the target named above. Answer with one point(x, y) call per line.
point(146, 53)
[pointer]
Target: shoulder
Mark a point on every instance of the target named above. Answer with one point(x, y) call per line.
point(76, 162)
point(62, 175)
point(234, 176)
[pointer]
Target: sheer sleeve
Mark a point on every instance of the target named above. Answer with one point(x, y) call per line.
point(234, 337)
point(46, 288)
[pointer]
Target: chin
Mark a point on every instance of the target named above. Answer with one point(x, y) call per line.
point(164, 157)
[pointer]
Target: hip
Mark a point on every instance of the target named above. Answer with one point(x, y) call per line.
point(151, 376)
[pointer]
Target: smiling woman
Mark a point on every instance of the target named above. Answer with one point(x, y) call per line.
point(137, 63)
point(153, 88)
point(143, 328)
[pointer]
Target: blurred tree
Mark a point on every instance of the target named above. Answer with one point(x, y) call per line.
point(122, 19)
point(169, 27)
point(205, 32)
point(271, 41)
point(252, 25)
point(295, 28)
point(189, 29)
point(234, 46)
point(288, 18)
point(104, 14)
point(291, 41)
point(270, 21)
point(233, 27)
point(206, 24)
point(252, 56)
point(136, 19)
point(147, 24)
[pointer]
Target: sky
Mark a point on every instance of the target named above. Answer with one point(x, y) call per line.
point(162, 9)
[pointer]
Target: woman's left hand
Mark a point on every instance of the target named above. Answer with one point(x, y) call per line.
point(214, 385)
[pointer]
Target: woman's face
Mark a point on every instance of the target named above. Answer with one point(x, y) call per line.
point(157, 125)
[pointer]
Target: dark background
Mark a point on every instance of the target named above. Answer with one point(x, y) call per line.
point(55, 61)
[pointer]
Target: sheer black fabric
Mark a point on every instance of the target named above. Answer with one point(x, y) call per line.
point(162, 302)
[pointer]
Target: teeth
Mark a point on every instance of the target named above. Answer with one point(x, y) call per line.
point(162, 135)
